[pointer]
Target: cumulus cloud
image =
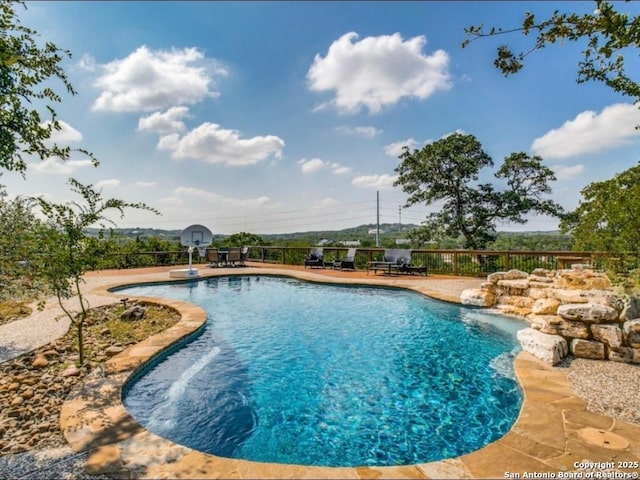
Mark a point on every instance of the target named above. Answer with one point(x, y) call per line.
point(164, 122)
point(566, 172)
point(378, 71)
point(112, 182)
point(362, 131)
point(143, 184)
point(590, 132)
point(213, 144)
point(382, 182)
point(315, 164)
point(54, 165)
point(340, 170)
point(149, 80)
point(66, 134)
point(395, 149)
point(217, 199)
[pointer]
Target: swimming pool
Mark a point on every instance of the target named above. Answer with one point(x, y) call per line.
point(293, 372)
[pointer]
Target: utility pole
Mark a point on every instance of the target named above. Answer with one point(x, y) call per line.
point(400, 214)
point(377, 218)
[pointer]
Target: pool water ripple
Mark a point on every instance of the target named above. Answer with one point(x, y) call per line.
point(300, 373)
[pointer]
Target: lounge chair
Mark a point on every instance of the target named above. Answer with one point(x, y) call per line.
point(233, 257)
point(348, 262)
point(394, 260)
point(223, 256)
point(315, 258)
point(212, 257)
point(244, 255)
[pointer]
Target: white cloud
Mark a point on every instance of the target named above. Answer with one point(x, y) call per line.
point(112, 182)
point(383, 182)
point(152, 80)
point(395, 149)
point(378, 71)
point(213, 144)
point(566, 172)
point(66, 134)
point(590, 132)
point(313, 165)
point(217, 199)
point(164, 122)
point(53, 165)
point(339, 170)
point(143, 184)
point(363, 131)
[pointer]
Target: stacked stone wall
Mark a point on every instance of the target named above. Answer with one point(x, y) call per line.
point(570, 311)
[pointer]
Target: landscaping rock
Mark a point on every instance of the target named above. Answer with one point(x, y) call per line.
point(587, 349)
point(608, 334)
point(546, 306)
point(556, 325)
point(133, 313)
point(631, 329)
point(631, 310)
point(589, 312)
point(477, 297)
point(548, 348)
point(39, 361)
point(514, 274)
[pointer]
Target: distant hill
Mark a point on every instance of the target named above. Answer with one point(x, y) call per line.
point(389, 233)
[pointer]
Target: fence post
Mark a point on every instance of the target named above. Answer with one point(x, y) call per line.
point(455, 263)
point(506, 262)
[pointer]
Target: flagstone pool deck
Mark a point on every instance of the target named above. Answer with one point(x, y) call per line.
point(553, 435)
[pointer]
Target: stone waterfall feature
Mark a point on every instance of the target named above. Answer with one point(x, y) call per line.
point(574, 311)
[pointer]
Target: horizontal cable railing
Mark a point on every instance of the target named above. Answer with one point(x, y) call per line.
point(449, 262)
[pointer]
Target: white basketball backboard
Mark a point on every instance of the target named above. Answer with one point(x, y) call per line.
point(196, 236)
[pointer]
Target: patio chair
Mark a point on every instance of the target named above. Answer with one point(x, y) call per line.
point(212, 257)
point(233, 257)
point(315, 258)
point(394, 259)
point(348, 262)
point(244, 255)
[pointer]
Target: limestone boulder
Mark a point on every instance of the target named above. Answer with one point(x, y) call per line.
point(477, 297)
point(587, 349)
point(583, 279)
point(489, 287)
point(539, 279)
point(515, 274)
point(587, 312)
point(631, 329)
point(496, 276)
point(556, 325)
point(537, 292)
point(631, 310)
point(621, 354)
point(543, 272)
point(568, 296)
point(608, 334)
point(548, 348)
point(545, 306)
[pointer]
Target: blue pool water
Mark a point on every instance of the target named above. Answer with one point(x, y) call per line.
point(293, 372)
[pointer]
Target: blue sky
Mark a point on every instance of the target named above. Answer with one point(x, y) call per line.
point(273, 117)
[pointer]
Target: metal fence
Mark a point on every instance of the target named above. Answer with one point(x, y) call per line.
point(449, 262)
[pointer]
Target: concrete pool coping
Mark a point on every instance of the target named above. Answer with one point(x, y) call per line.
point(553, 433)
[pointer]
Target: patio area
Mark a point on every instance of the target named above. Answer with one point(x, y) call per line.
point(554, 432)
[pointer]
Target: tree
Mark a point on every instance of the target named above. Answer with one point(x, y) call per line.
point(608, 217)
point(444, 171)
point(243, 239)
point(67, 252)
point(608, 34)
point(18, 245)
point(26, 72)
